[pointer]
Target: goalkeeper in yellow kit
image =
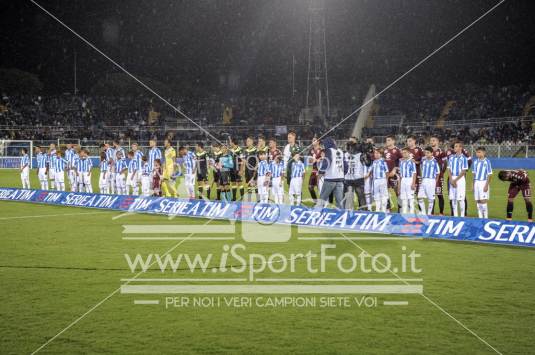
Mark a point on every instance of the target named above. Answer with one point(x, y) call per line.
point(168, 185)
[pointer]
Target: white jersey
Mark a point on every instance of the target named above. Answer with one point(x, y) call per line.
point(335, 167)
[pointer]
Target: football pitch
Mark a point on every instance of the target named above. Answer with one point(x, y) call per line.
point(61, 269)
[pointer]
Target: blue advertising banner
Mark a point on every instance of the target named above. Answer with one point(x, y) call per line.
point(514, 233)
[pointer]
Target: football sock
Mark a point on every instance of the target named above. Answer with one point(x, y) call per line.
point(529, 209)
point(510, 209)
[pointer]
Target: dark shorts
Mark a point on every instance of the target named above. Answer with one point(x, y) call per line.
point(202, 175)
point(249, 175)
point(514, 189)
point(439, 188)
point(216, 176)
point(235, 176)
point(313, 180)
point(393, 182)
point(224, 178)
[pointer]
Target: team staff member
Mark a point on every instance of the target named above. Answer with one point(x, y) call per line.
point(201, 156)
point(236, 179)
point(168, 185)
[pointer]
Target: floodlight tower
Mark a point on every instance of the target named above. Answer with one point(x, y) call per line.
point(317, 97)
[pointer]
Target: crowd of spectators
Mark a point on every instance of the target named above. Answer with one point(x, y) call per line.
point(139, 118)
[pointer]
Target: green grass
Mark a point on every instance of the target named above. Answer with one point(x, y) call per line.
point(54, 269)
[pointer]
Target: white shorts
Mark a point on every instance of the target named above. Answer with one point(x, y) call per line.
point(405, 189)
point(296, 186)
point(25, 173)
point(119, 180)
point(60, 176)
point(42, 174)
point(52, 173)
point(367, 185)
point(380, 189)
point(457, 193)
point(189, 179)
point(427, 189)
point(131, 179)
point(103, 178)
point(262, 190)
point(479, 194)
point(84, 178)
point(276, 186)
point(145, 184)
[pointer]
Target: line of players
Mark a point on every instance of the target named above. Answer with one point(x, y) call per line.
point(261, 169)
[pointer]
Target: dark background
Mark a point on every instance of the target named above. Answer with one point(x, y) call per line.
point(189, 44)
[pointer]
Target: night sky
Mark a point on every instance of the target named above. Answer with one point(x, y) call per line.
point(190, 43)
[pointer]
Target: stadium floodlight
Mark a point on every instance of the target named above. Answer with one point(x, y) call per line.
point(10, 153)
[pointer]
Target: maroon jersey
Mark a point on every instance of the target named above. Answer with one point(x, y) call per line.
point(416, 155)
point(519, 183)
point(273, 154)
point(315, 153)
point(392, 157)
point(440, 157)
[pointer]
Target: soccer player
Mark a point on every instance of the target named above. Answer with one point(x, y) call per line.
point(201, 156)
point(225, 165)
point(519, 183)
point(379, 173)
point(168, 185)
point(262, 180)
point(440, 157)
point(276, 169)
point(416, 154)
point(154, 153)
point(188, 159)
point(132, 173)
point(392, 155)
point(83, 170)
point(71, 156)
point(250, 166)
point(42, 170)
point(289, 152)
point(261, 146)
point(430, 176)
point(482, 170)
point(368, 189)
point(25, 169)
point(465, 152)
point(51, 158)
point(138, 155)
point(157, 174)
point(457, 167)
point(59, 165)
point(354, 178)
point(296, 180)
point(333, 169)
point(236, 178)
point(120, 170)
point(103, 177)
point(110, 157)
point(146, 173)
point(315, 157)
point(407, 172)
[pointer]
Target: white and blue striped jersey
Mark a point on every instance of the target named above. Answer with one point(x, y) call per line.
point(70, 156)
point(84, 165)
point(146, 170)
point(59, 164)
point(132, 165)
point(276, 169)
point(379, 169)
point(481, 169)
point(120, 165)
point(298, 169)
point(110, 154)
point(154, 154)
point(51, 158)
point(24, 161)
point(42, 160)
point(407, 168)
point(138, 154)
point(104, 165)
point(119, 150)
point(457, 163)
point(263, 168)
point(189, 163)
point(429, 168)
